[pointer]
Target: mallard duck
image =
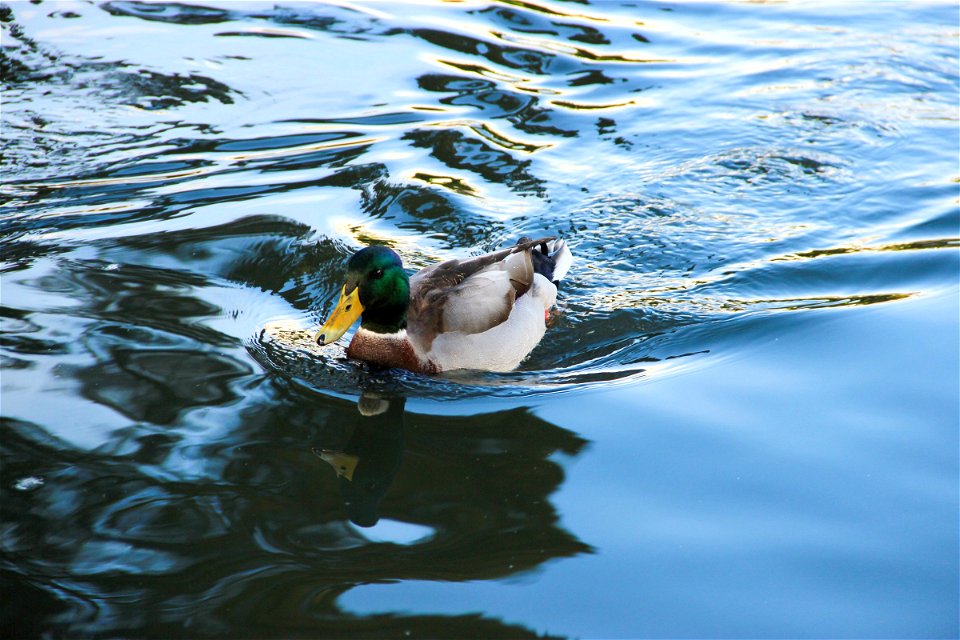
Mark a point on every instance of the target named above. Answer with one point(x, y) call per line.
point(486, 312)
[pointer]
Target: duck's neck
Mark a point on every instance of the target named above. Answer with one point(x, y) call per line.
point(389, 319)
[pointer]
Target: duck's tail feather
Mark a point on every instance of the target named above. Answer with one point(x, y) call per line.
point(562, 259)
point(552, 259)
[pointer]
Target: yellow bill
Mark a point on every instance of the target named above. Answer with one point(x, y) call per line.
point(347, 311)
point(343, 463)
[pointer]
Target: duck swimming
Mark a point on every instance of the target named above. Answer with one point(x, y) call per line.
point(486, 312)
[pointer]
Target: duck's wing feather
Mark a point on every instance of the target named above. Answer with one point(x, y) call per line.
point(471, 295)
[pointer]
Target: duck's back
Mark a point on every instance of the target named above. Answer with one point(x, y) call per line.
point(503, 346)
point(467, 296)
point(485, 312)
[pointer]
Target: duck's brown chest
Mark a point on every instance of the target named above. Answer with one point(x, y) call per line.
point(388, 350)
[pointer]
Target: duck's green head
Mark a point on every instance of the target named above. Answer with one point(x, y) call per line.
point(377, 290)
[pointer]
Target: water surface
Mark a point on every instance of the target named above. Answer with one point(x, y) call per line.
point(743, 421)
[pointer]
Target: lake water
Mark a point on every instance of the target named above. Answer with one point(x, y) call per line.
point(743, 421)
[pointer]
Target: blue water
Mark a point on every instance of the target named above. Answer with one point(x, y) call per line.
point(744, 420)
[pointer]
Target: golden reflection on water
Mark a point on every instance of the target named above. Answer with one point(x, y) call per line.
point(821, 302)
point(592, 107)
point(481, 70)
point(141, 178)
point(489, 134)
point(917, 245)
point(457, 185)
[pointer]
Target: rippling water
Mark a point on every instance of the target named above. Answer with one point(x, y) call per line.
point(742, 422)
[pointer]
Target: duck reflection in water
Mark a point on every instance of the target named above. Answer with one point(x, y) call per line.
point(368, 463)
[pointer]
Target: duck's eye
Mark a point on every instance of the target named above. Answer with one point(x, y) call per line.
point(377, 274)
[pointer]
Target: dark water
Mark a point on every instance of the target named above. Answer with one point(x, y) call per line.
point(743, 422)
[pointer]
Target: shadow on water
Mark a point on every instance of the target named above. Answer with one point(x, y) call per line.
point(368, 462)
point(252, 533)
